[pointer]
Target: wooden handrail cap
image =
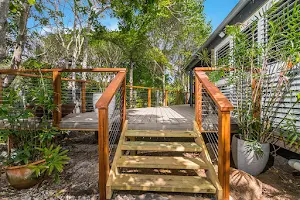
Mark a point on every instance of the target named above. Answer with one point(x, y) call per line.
point(111, 90)
point(218, 97)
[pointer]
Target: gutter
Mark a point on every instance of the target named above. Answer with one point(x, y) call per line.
point(194, 60)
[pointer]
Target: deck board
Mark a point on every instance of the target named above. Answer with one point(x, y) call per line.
point(178, 117)
point(165, 183)
point(161, 162)
point(154, 118)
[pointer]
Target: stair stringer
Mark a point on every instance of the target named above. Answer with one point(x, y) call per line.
point(210, 172)
point(114, 170)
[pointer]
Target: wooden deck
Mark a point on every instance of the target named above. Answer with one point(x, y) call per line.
point(178, 117)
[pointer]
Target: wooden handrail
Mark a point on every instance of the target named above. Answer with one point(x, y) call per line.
point(219, 98)
point(46, 77)
point(14, 71)
point(209, 69)
point(111, 90)
point(206, 69)
point(78, 80)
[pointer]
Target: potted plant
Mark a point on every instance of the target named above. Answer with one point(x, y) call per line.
point(31, 153)
point(262, 76)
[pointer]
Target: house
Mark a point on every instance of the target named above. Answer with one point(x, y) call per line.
point(254, 16)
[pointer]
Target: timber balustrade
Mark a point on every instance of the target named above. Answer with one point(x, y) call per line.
point(142, 96)
point(154, 97)
point(111, 106)
point(212, 115)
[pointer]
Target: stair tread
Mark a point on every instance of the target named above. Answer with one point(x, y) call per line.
point(162, 133)
point(161, 146)
point(162, 162)
point(165, 183)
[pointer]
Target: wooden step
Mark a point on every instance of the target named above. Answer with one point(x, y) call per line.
point(162, 162)
point(161, 146)
point(162, 133)
point(162, 183)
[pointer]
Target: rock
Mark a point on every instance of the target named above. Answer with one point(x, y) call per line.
point(243, 186)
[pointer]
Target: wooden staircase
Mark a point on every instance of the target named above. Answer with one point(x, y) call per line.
point(162, 150)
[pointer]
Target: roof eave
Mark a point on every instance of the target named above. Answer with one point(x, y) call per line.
point(240, 5)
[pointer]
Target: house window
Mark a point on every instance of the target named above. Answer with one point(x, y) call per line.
point(277, 15)
point(251, 32)
point(222, 54)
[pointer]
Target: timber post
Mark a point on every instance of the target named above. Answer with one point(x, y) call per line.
point(166, 98)
point(124, 103)
point(103, 151)
point(83, 97)
point(149, 97)
point(57, 97)
point(1, 90)
point(224, 151)
point(198, 103)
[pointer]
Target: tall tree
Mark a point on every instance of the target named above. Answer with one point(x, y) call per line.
point(178, 32)
point(21, 10)
point(3, 27)
point(134, 19)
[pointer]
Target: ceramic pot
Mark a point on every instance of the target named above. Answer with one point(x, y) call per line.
point(22, 177)
point(246, 159)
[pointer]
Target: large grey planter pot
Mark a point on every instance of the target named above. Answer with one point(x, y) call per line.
point(247, 160)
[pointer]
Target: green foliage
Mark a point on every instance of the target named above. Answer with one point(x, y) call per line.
point(31, 2)
point(250, 77)
point(55, 159)
point(30, 145)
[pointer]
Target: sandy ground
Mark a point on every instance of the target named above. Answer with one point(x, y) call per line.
point(80, 179)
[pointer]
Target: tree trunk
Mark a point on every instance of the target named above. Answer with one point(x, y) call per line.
point(3, 26)
point(20, 42)
point(164, 86)
point(74, 57)
point(131, 83)
point(85, 49)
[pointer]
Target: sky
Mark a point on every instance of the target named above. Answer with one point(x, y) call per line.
point(217, 10)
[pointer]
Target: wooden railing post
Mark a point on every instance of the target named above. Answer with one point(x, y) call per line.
point(124, 102)
point(149, 97)
point(103, 151)
point(83, 97)
point(224, 151)
point(186, 98)
point(57, 98)
point(166, 98)
point(1, 90)
point(198, 103)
